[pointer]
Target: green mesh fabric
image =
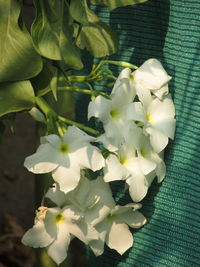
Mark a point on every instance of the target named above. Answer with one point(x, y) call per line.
point(169, 31)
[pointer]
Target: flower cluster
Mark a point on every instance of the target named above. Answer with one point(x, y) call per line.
point(138, 120)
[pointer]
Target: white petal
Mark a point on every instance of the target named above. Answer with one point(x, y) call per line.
point(151, 75)
point(58, 249)
point(83, 231)
point(76, 138)
point(52, 139)
point(67, 178)
point(119, 238)
point(56, 195)
point(144, 95)
point(106, 202)
point(37, 236)
point(160, 93)
point(125, 85)
point(114, 170)
point(137, 189)
point(158, 140)
point(162, 109)
point(136, 112)
point(45, 160)
point(88, 157)
point(147, 165)
point(99, 108)
point(97, 246)
point(108, 143)
point(134, 219)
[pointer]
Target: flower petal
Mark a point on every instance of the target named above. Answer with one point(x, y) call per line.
point(134, 219)
point(67, 178)
point(56, 195)
point(58, 249)
point(99, 108)
point(119, 237)
point(37, 236)
point(44, 160)
point(88, 157)
point(114, 170)
point(151, 75)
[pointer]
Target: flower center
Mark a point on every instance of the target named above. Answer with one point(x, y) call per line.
point(115, 114)
point(111, 218)
point(143, 152)
point(123, 160)
point(64, 148)
point(131, 77)
point(59, 218)
point(149, 117)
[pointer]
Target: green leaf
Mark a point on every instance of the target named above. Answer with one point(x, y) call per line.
point(46, 80)
point(94, 35)
point(19, 60)
point(112, 4)
point(16, 96)
point(81, 13)
point(52, 32)
point(98, 38)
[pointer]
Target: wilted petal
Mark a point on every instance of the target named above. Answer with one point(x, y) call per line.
point(119, 237)
point(37, 236)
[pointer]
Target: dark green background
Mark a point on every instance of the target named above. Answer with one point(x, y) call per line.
point(169, 31)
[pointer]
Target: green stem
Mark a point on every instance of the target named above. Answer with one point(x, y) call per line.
point(49, 112)
point(121, 64)
point(80, 126)
point(83, 91)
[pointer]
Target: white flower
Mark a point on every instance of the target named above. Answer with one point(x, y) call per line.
point(114, 230)
point(65, 156)
point(157, 117)
point(56, 230)
point(112, 112)
point(151, 76)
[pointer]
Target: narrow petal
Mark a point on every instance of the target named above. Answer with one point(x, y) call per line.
point(119, 238)
point(37, 236)
point(58, 249)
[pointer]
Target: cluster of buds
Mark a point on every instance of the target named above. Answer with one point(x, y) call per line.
point(138, 120)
